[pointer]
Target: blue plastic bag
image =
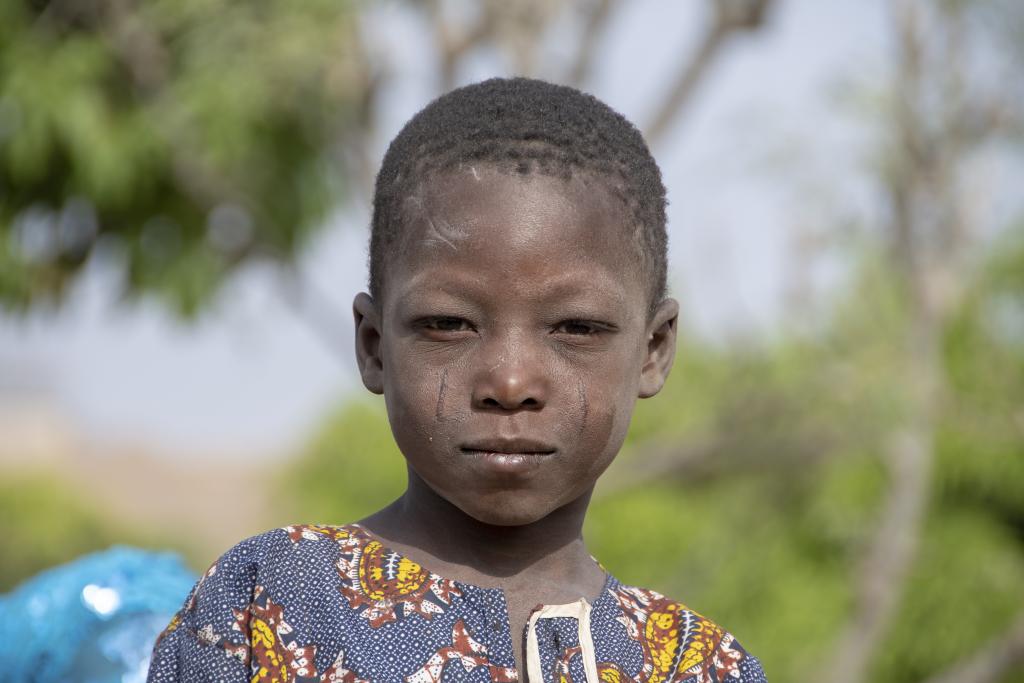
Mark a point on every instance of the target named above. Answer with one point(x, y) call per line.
point(93, 620)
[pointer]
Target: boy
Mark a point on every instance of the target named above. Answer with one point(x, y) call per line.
point(516, 311)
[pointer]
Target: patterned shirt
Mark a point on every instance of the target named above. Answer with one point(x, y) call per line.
point(332, 603)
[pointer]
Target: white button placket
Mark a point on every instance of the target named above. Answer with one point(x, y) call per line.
point(580, 611)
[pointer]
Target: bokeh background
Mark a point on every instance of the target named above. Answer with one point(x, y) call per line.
point(836, 468)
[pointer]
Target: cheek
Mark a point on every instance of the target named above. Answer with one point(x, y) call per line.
point(608, 428)
point(411, 392)
point(604, 406)
point(423, 404)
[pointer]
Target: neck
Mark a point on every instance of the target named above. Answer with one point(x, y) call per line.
point(553, 543)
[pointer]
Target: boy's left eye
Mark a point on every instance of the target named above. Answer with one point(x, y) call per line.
point(579, 327)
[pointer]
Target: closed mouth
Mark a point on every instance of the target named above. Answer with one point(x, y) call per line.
point(508, 447)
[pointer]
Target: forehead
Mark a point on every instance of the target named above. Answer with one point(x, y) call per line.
point(518, 230)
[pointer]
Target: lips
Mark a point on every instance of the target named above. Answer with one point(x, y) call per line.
point(509, 447)
point(504, 458)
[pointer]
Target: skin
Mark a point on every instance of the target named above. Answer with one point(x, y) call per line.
point(511, 341)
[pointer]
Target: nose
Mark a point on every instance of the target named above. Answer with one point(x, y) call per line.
point(512, 379)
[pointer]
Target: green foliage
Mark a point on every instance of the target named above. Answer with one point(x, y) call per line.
point(981, 445)
point(976, 595)
point(47, 523)
point(173, 139)
point(353, 453)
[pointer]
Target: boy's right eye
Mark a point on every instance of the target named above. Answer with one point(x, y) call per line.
point(444, 324)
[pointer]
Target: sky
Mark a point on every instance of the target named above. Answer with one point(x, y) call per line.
point(749, 167)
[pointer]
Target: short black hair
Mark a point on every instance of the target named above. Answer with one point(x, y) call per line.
point(523, 125)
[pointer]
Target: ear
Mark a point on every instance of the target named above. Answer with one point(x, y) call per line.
point(368, 334)
point(661, 348)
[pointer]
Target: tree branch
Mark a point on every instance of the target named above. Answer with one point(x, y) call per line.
point(141, 50)
point(883, 573)
point(992, 663)
point(452, 46)
point(594, 23)
point(662, 460)
point(927, 239)
point(742, 438)
point(731, 17)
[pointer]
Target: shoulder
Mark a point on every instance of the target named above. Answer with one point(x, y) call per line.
point(251, 560)
point(207, 637)
point(269, 557)
point(678, 641)
point(274, 556)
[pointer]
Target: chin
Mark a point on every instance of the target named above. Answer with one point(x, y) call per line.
point(499, 512)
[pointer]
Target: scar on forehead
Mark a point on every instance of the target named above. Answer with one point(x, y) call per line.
point(443, 232)
point(439, 231)
point(472, 169)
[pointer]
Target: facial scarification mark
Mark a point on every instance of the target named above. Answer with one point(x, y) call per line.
point(439, 230)
point(581, 392)
point(439, 410)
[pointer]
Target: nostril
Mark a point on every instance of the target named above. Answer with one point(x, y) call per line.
point(528, 403)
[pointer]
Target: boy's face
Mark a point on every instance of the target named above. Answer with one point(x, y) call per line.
point(513, 340)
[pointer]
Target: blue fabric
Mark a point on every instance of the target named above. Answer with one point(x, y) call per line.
point(319, 603)
point(92, 620)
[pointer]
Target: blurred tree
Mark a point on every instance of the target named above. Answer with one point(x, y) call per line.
point(938, 114)
point(179, 140)
point(47, 522)
point(174, 139)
